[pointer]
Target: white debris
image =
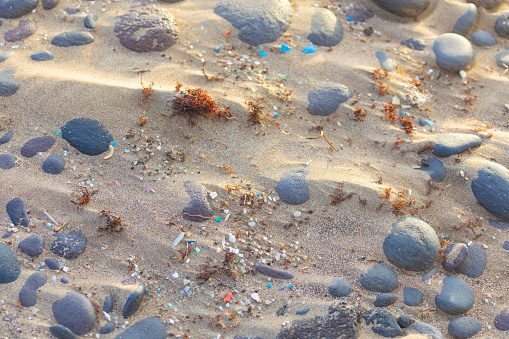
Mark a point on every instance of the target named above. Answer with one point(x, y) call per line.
point(213, 195)
point(297, 214)
point(178, 239)
point(256, 297)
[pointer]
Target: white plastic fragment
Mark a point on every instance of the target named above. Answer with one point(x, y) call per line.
point(213, 195)
point(232, 238)
point(177, 240)
point(256, 297)
point(463, 74)
point(297, 214)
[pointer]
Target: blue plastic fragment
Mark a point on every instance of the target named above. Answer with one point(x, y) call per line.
point(191, 241)
point(285, 48)
point(310, 49)
point(217, 49)
point(349, 18)
point(113, 144)
point(262, 53)
point(429, 122)
point(281, 288)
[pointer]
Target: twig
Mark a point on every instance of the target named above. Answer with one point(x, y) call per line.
point(51, 218)
point(322, 135)
point(59, 228)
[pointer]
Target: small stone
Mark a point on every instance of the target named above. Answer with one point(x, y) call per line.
point(454, 255)
point(340, 288)
point(384, 300)
point(87, 136)
point(54, 164)
point(326, 29)
point(491, 189)
point(326, 100)
point(73, 38)
point(385, 61)
point(28, 293)
point(453, 52)
point(23, 30)
point(49, 4)
point(382, 322)
point(435, 168)
point(502, 24)
point(32, 246)
point(464, 327)
point(465, 22)
point(17, 211)
point(505, 246)
point(8, 85)
point(198, 209)
point(151, 327)
point(62, 332)
point(75, 312)
point(274, 273)
point(52, 264)
point(412, 296)
point(454, 143)
point(404, 8)
point(483, 39)
point(108, 304)
point(379, 278)
point(292, 187)
point(7, 161)
point(90, 22)
point(303, 311)
point(134, 301)
point(475, 263)
point(415, 44)
point(33, 146)
point(69, 245)
point(107, 328)
point(42, 55)
point(9, 265)
point(502, 59)
point(457, 297)
point(502, 320)
point(405, 321)
point(6, 137)
point(12, 9)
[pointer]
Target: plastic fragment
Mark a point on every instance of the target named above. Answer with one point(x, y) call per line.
point(177, 240)
point(310, 49)
point(285, 48)
point(262, 53)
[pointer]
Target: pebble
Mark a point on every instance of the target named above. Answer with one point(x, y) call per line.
point(87, 136)
point(454, 143)
point(382, 322)
point(90, 21)
point(292, 187)
point(260, 22)
point(464, 327)
point(4, 55)
point(359, 14)
point(491, 189)
point(412, 296)
point(54, 164)
point(134, 301)
point(32, 245)
point(502, 320)
point(385, 61)
point(146, 28)
point(475, 263)
point(505, 245)
point(340, 288)
point(73, 38)
point(384, 300)
point(415, 44)
point(326, 100)
point(379, 278)
point(502, 25)
point(7, 161)
point(28, 293)
point(33, 146)
point(17, 211)
point(274, 273)
point(6, 235)
point(453, 52)
point(500, 224)
point(151, 327)
point(427, 330)
point(9, 265)
point(465, 22)
point(6, 137)
point(435, 168)
point(75, 312)
point(24, 29)
point(483, 39)
point(52, 264)
point(64, 281)
point(108, 304)
point(454, 255)
point(12, 9)
point(412, 244)
point(49, 4)
point(107, 328)
point(502, 59)
point(405, 321)
point(69, 245)
point(62, 332)
point(8, 85)
point(456, 297)
point(42, 55)
point(404, 8)
point(199, 209)
point(303, 311)
point(326, 29)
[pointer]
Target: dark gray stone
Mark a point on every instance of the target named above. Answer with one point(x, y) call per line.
point(341, 322)
point(465, 22)
point(457, 297)
point(69, 245)
point(90, 21)
point(9, 265)
point(8, 85)
point(379, 278)
point(502, 25)
point(4, 55)
point(500, 224)
point(502, 59)
point(259, 22)
point(435, 168)
point(52, 264)
point(87, 136)
point(75, 312)
point(464, 327)
point(340, 288)
point(151, 327)
point(33, 146)
point(427, 329)
point(292, 187)
point(505, 245)
point(49, 4)
point(454, 143)
point(274, 273)
point(6, 235)
point(483, 39)
point(17, 211)
point(384, 300)
point(12, 9)
point(454, 255)
point(382, 323)
point(107, 328)
point(412, 296)
point(491, 189)
point(23, 30)
point(62, 332)
point(303, 311)
point(405, 321)
point(134, 301)
point(28, 293)
point(7, 161)
point(502, 320)
point(412, 245)
point(429, 274)
point(6, 137)
point(199, 209)
point(71, 11)
point(326, 100)
point(42, 55)
point(385, 61)
point(404, 8)
point(64, 281)
point(415, 44)
point(326, 29)
point(146, 29)
point(54, 164)
point(73, 38)
point(33, 245)
point(475, 263)
point(453, 52)
point(108, 304)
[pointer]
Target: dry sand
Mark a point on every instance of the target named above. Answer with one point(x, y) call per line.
point(102, 81)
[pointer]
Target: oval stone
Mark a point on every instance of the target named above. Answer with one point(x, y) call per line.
point(457, 297)
point(75, 312)
point(453, 52)
point(134, 301)
point(491, 189)
point(326, 29)
point(274, 273)
point(9, 265)
point(464, 327)
point(379, 278)
point(404, 8)
point(151, 327)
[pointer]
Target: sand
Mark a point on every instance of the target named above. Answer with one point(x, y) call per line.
point(102, 81)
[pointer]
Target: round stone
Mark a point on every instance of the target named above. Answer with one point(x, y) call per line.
point(73, 38)
point(87, 136)
point(326, 100)
point(12, 9)
point(23, 30)
point(491, 189)
point(379, 278)
point(75, 312)
point(412, 296)
point(32, 245)
point(454, 255)
point(107, 328)
point(134, 301)
point(404, 8)
point(453, 52)
point(151, 327)
point(198, 209)
point(33, 146)
point(483, 39)
point(52, 264)
point(475, 263)
point(9, 265)
point(326, 29)
point(384, 300)
point(69, 245)
point(340, 288)
point(464, 327)
point(7, 161)
point(42, 55)
point(412, 244)
point(54, 164)
point(502, 24)
point(90, 21)
point(8, 85)
point(502, 320)
point(457, 297)
point(292, 187)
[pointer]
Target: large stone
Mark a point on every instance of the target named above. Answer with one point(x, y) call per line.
point(75, 312)
point(151, 327)
point(69, 245)
point(379, 278)
point(292, 187)
point(453, 52)
point(456, 297)
point(491, 189)
point(464, 327)
point(9, 265)
point(86, 135)
point(12, 9)
point(326, 100)
point(454, 143)
point(23, 30)
point(383, 323)
point(465, 22)
point(404, 8)
point(326, 29)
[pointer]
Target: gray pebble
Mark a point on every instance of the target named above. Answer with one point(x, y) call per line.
point(454, 255)
point(382, 322)
point(502, 24)
point(502, 59)
point(475, 263)
point(52, 264)
point(274, 273)
point(33, 146)
point(28, 293)
point(412, 296)
point(134, 301)
point(502, 320)
point(491, 189)
point(4, 55)
point(107, 328)
point(303, 311)
point(292, 187)
point(457, 297)
point(23, 30)
point(49, 4)
point(6, 137)
point(9, 265)
point(64, 281)
point(483, 39)
point(435, 168)
point(75, 312)
point(379, 278)
point(198, 209)
point(73, 38)
point(42, 55)
point(427, 330)
point(151, 327)
point(326, 29)
point(464, 327)
point(69, 245)
point(415, 44)
point(465, 22)
point(90, 21)
point(500, 224)
point(54, 164)
point(405, 321)
point(326, 100)
point(7, 161)
point(88, 136)
point(384, 300)
point(108, 304)
point(385, 61)
point(454, 143)
point(8, 85)
point(32, 245)
point(404, 8)
point(12, 9)
point(6, 235)
point(17, 211)
point(429, 274)
point(340, 288)
point(505, 245)
point(62, 332)
point(453, 52)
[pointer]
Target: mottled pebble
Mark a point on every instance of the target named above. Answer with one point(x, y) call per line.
point(17, 211)
point(385, 61)
point(491, 189)
point(90, 21)
point(107, 328)
point(7, 161)
point(198, 209)
point(108, 304)
point(23, 30)
point(274, 273)
point(435, 168)
point(475, 263)
point(454, 143)
point(412, 296)
point(303, 311)
point(33, 245)
point(151, 327)
point(502, 24)
point(326, 29)
point(73, 38)
point(62, 332)
point(42, 55)
point(33, 146)
point(69, 245)
point(12, 9)
point(292, 187)
point(49, 4)
point(8, 85)
point(28, 293)
point(454, 255)
point(379, 278)
point(415, 44)
point(453, 52)
point(464, 327)
point(54, 164)
point(340, 288)
point(483, 39)
point(52, 264)
point(326, 100)
point(384, 300)
point(457, 297)
point(134, 301)
point(502, 320)
point(87, 136)
point(382, 322)
point(404, 8)
point(502, 59)
point(9, 265)
point(465, 22)
point(75, 312)
point(6, 137)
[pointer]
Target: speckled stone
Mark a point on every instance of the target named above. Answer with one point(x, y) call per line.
point(412, 296)
point(340, 288)
point(453, 52)
point(7, 161)
point(475, 263)
point(274, 273)
point(379, 278)
point(465, 22)
point(12, 9)
point(454, 143)
point(198, 209)
point(457, 297)
point(483, 39)
point(6, 137)
point(69, 245)
point(54, 164)
point(88, 136)
point(42, 55)
point(134, 301)
point(464, 327)
point(383, 323)
point(17, 211)
point(404, 8)
point(62, 332)
point(33, 245)
point(454, 255)
point(151, 327)
point(491, 189)
point(73, 38)
point(502, 24)
point(326, 29)
point(9, 265)
point(33, 146)
point(8, 84)
point(384, 300)
point(326, 100)
point(292, 187)
point(52, 264)
point(28, 293)
point(75, 312)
